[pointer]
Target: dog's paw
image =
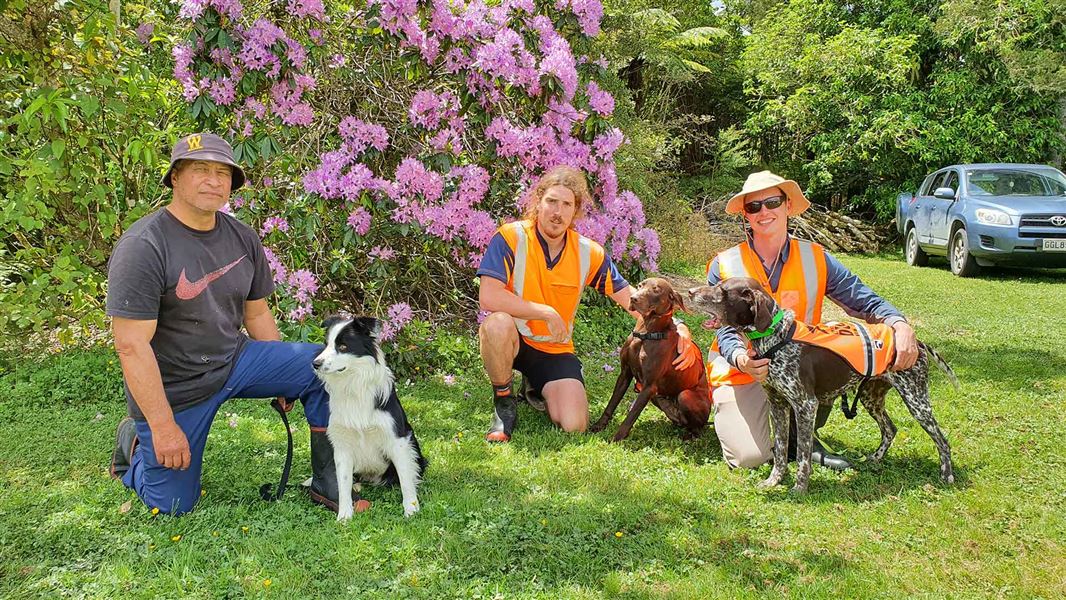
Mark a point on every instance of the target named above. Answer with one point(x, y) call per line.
point(344, 515)
point(798, 490)
point(410, 509)
point(770, 482)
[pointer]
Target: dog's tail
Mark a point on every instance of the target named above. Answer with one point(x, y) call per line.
point(940, 362)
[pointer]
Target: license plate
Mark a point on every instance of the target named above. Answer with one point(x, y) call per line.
point(1055, 245)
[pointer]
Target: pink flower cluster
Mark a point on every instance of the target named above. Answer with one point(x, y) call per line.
point(274, 224)
point(307, 8)
point(339, 175)
point(263, 47)
point(192, 9)
point(439, 113)
point(359, 220)
point(600, 101)
point(358, 136)
point(399, 314)
point(302, 286)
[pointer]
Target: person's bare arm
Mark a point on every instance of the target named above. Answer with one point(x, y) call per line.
point(139, 367)
point(259, 321)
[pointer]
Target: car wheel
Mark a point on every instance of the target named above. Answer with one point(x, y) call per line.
point(962, 262)
point(912, 251)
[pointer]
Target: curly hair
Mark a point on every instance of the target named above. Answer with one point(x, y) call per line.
point(572, 179)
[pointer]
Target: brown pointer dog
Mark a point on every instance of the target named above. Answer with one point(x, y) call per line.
point(648, 356)
point(801, 376)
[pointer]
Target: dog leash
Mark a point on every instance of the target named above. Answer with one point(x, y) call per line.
point(264, 490)
point(851, 412)
point(773, 349)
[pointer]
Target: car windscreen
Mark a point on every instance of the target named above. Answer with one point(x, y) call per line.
point(1015, 182)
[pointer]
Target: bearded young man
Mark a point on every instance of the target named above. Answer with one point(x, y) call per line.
point(532, 277)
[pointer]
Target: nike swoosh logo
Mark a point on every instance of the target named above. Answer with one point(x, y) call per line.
point(187, 290)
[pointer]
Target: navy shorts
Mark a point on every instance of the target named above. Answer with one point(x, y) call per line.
point(541, 368)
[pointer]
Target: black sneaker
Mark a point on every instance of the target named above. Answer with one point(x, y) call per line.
point(125, 442)
point(532, 398)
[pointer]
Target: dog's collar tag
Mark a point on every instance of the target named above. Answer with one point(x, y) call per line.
point(754, 335)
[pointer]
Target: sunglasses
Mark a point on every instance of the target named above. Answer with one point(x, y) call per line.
point(755, 206)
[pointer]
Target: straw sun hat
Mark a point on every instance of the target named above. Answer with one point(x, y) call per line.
point(762, 180)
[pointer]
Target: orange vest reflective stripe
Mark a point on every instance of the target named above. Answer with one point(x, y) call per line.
point(559, 287)
point(869, 349)
point(801, 289)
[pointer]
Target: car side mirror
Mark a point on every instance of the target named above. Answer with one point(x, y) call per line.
point(945, 193)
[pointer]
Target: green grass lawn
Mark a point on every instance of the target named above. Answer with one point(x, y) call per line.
point(554, 515)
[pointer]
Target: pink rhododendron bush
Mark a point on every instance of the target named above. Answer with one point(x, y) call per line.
point(387, 141)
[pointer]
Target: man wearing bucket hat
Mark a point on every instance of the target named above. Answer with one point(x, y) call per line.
point(799, 275)
point(181, 283)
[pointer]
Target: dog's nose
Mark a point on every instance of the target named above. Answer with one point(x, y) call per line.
point(315, 364)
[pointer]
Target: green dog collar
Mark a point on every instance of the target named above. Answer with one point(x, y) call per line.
point(754, 335)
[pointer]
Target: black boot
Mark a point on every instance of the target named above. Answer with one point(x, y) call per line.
point(503, 419)
point(324, 475)
point(125, 442)
point(819, 455)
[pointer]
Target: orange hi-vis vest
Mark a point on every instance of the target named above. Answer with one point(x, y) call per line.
point(869, 349)
point(559, 287)
point(801, 289)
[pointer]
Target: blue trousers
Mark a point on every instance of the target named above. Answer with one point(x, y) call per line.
point(262, 370)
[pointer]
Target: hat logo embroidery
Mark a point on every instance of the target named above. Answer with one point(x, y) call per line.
point(195, 142)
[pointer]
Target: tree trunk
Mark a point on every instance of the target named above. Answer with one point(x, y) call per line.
point(116, 9)
point(1056, 157)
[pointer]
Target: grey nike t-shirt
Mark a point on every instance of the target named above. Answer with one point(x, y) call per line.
point(194, 284)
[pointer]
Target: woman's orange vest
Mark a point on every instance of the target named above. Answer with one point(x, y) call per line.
point(801, 289)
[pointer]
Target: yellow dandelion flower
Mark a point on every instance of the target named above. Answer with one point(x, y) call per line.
point(544, 521)
point(203, 492)
point(244, 529)
point(155, 511)
point(267, 582)
point(214, 534)
point(176, 538)
point(618, 534)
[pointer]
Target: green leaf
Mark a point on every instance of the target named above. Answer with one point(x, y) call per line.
point(35, 106)
point(264, 147)
point(58, 146)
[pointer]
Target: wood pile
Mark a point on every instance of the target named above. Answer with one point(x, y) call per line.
point(837, 232)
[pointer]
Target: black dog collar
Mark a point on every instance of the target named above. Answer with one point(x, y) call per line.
point(658, 335)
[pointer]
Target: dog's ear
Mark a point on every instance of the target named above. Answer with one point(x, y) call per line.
point(677, 300)
point(331, 321)
point(763, 309)
point(370, 325)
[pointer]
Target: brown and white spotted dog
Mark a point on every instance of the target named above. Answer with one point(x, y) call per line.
point(802, 376)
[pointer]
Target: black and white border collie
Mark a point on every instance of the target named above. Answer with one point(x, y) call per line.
point(368, 428)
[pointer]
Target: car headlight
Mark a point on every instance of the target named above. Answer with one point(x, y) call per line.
point(990, 216)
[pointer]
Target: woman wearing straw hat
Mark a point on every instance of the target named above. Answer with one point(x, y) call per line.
point(799, 274)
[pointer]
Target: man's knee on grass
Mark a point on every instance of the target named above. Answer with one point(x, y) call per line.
point(498, 329)
point(568, 404)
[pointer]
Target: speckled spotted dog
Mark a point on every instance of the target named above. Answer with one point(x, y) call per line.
point(803, 376)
